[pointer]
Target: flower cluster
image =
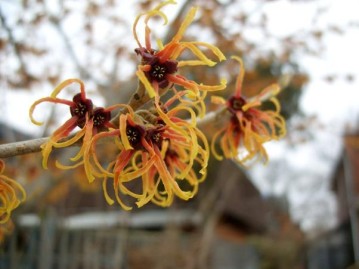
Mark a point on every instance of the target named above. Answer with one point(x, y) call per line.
point(11, 195)
point(248, 126)
point(160, 151)
point(83, 115)
point(160, 154)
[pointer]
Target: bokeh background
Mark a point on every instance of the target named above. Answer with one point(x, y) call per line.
point(298, 211)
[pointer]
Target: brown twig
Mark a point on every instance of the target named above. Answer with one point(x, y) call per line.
point(22, 147)
point(211, 117)
point(138, 99)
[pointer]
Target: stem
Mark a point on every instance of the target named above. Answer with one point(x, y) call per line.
point(138, 99)
point(34, 145)
point(22, 147)
point(211, 117)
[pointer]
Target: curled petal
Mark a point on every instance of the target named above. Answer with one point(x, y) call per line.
point(186, 22)
point(148, 86)
point(93, 168)
point(46, 99)
point(218, 100)
point(268, 93)
point(221, 86)
point(154, 12)
point(202, 58)
point(123, 132)
point(11, 195)
point(67, 82)
point(60, 133)
point(109, 200)
point(239, 81)
point(86, 135)
point(182, 81)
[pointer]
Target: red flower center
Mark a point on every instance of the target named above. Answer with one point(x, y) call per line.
point(159, 70)
point(134, 135)
point(101, 117)
point(155, 136)
point(236, 104)
point(80, 108)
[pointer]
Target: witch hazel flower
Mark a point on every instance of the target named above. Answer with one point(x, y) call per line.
point(159, 67)
point(11, 195)
point(249, 126)
point(158, 153)
point(83, 115)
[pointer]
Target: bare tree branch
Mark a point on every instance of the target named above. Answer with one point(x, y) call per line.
point(22, 147)
point(34, 145)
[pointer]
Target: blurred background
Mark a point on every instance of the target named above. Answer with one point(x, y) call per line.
point(299, 211)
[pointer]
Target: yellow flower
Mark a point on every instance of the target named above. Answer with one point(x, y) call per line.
point(248, 127)
point(11, 195)
point(83, 115)
point(158, 154)
point(183, 147)
point(158, 68)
